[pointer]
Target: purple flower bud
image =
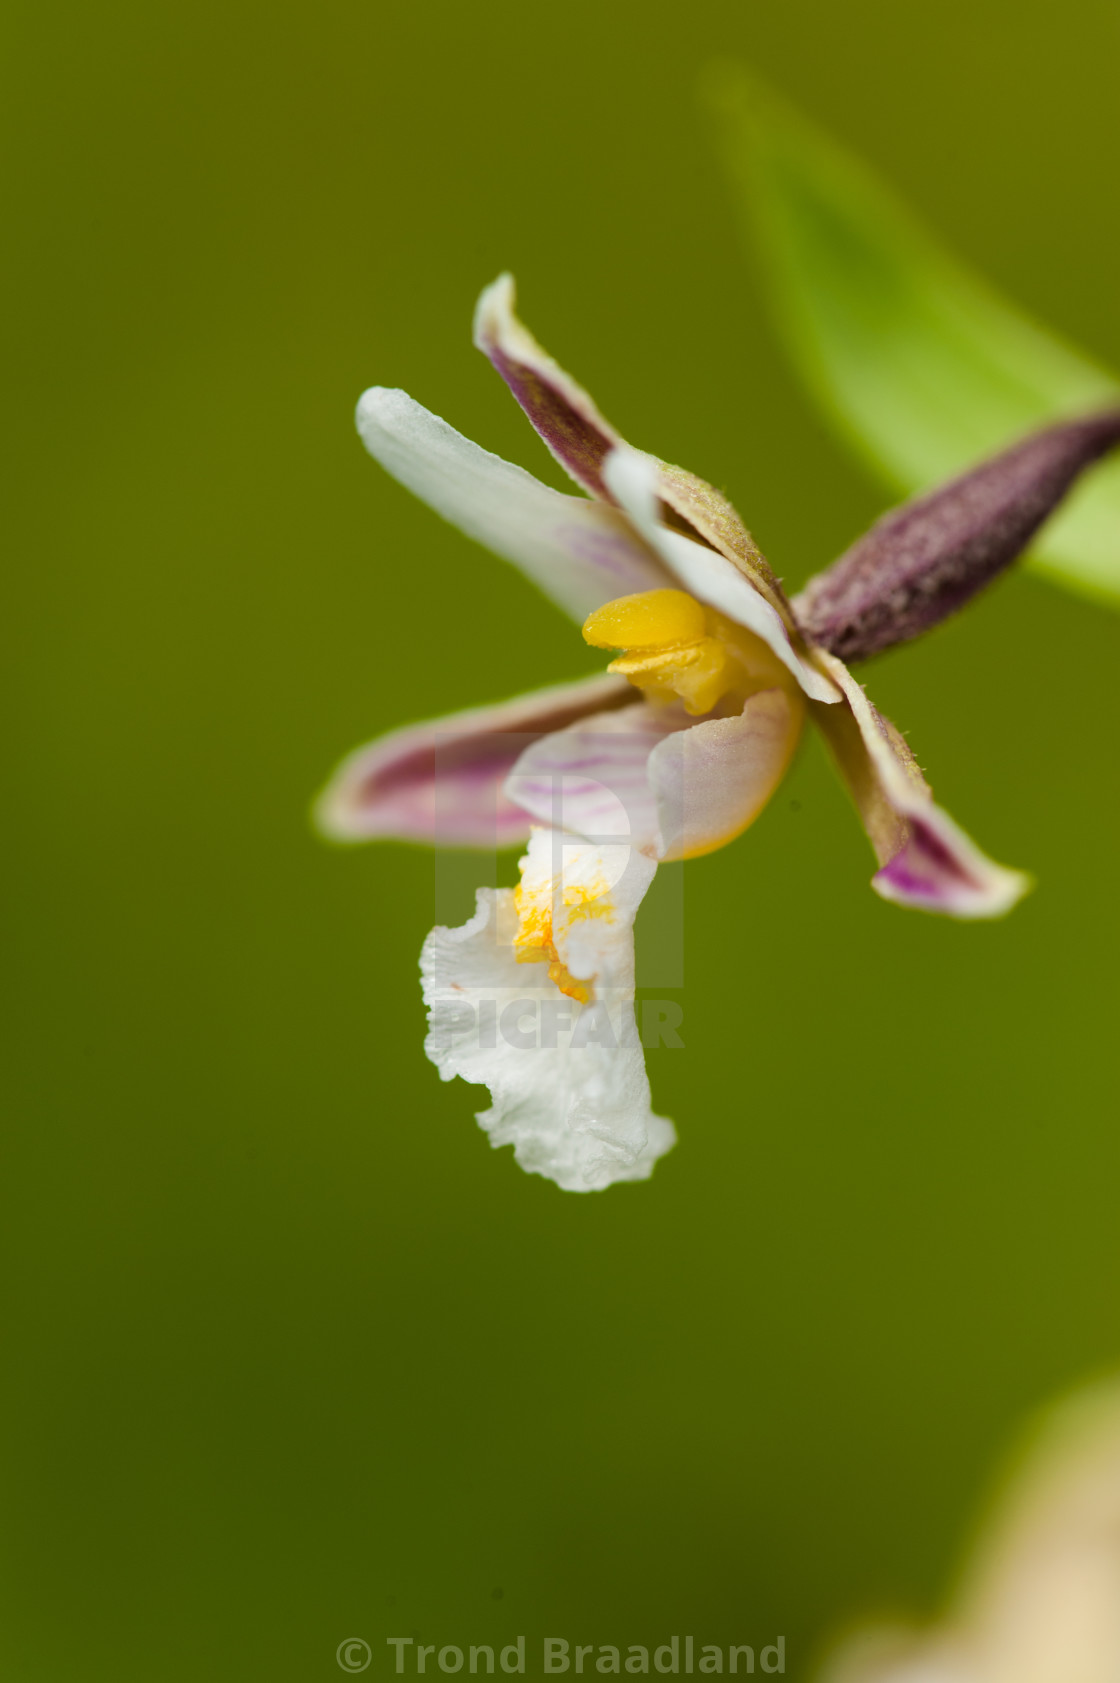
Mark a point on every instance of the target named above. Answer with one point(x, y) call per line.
point(923, 561)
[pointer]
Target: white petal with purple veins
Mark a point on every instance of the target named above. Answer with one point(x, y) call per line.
point(712, 781)
point(593, 778)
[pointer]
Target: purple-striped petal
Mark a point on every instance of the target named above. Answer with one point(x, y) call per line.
point(580, 553)
point(926, 860)
point(712, 781)
point(674, 787)
point(441, 781)
point(592, 778)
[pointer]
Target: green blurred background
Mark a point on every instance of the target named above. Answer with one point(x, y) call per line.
point(290, 1354)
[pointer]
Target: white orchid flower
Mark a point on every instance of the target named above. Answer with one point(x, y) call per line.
point(672, 752)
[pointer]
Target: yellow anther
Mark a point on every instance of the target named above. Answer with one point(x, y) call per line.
point(651, 619)
point(675, 649)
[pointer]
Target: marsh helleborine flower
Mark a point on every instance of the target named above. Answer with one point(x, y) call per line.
point(671, 753)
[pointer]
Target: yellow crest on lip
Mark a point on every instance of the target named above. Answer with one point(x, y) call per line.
point(534, 942)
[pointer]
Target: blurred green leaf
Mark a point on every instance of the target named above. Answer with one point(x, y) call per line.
point(922, 366)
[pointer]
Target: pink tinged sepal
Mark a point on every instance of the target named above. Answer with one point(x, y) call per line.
point(441, 781)
point(562, 413)
point(567, 1079)
point(579, 553)
point(927, 860)
point(940, 869)
point(580, 438)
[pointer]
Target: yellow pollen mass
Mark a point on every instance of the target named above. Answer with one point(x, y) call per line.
point(533, 942)
point(650, 619)
point(676, 648)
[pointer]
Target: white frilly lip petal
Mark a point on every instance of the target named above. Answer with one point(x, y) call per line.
point(579, 553)
point(927, 861)
point(633, 478)
point(567, 1081)
point(712, 781)
point(441, 781)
